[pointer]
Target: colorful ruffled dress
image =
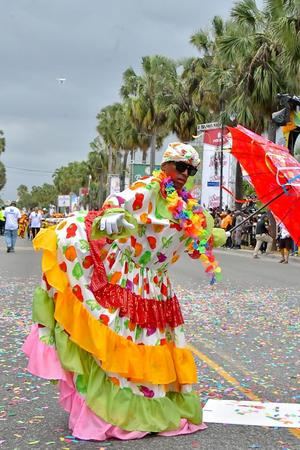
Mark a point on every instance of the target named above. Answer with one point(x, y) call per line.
point(108, 325)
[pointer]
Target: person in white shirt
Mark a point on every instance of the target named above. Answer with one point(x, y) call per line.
point(12, 217)
point(285, 243)
point(35, 221)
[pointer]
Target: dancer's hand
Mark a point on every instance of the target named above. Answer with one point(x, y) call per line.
point(227, 233)
point(113, 223)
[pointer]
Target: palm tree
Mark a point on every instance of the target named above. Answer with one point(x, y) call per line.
point(183, 109)
point(248, 46)
point(97, 162)
point(128, 138)
point(144, 95)
point(124, 138)
point(206, 93)
point(107, 125)
point(285, 28)
point(130, 86)
point(2, 142)
point(246, 69)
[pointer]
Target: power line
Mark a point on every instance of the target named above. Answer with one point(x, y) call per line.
point(25, 169)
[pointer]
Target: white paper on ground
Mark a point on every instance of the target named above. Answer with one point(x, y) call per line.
point(252, 413)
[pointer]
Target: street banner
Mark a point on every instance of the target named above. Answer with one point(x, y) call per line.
point(211, 164)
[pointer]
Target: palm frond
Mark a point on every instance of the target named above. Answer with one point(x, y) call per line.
point(201, 41)
point(246, 12)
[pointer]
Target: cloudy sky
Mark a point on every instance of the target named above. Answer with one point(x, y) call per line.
point(90, 43)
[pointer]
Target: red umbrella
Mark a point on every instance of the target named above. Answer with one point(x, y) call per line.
point(274, 173)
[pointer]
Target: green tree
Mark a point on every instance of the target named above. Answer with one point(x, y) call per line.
point(43, 196)
point(24, 197)
point(71, 178)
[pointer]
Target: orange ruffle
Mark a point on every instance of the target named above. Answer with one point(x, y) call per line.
point(163, 364)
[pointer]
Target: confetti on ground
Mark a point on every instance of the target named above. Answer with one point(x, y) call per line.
point(250, 332)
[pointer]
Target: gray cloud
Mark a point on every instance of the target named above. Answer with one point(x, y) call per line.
point(91, 43)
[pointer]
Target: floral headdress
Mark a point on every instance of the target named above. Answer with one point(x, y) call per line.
point(178, 151)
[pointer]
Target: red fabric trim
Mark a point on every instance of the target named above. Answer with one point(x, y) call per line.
point(99, 278)
point(147, 313)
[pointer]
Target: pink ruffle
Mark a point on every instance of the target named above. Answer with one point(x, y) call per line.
point(86, 425)
point(43, 360)
point(185, 427)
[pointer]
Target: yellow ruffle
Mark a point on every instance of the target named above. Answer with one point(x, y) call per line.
point(46, 240)
point(163, 364)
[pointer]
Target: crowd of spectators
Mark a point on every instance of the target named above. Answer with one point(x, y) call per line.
point(245, 235)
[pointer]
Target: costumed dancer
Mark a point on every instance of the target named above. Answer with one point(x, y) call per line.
point(23, 225)
point(107, 322)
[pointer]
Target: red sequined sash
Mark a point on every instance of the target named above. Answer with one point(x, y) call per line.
point(147, 313)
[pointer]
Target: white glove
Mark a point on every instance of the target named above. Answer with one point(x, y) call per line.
point(113, 223)
point(227, 233)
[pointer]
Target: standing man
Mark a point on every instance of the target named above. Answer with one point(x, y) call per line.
point(35, 220)
point(262, 235)
point(12, 216)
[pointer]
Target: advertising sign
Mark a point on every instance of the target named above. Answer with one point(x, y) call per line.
point(74, 201)
point(208, 126)
point(211, 164)
point(141, 170)
point(114, 184)
point(63, 201)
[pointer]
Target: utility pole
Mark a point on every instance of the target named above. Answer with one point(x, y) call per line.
point(131, 165)
point(152, 152)
point(89, 192)
point(221, 152)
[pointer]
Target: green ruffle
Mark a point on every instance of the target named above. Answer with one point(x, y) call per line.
point(117, 406)
point(43, 308)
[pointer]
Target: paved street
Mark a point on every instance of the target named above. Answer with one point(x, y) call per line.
point(244, 333)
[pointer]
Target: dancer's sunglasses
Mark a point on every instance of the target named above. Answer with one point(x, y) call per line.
point(181, 167)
